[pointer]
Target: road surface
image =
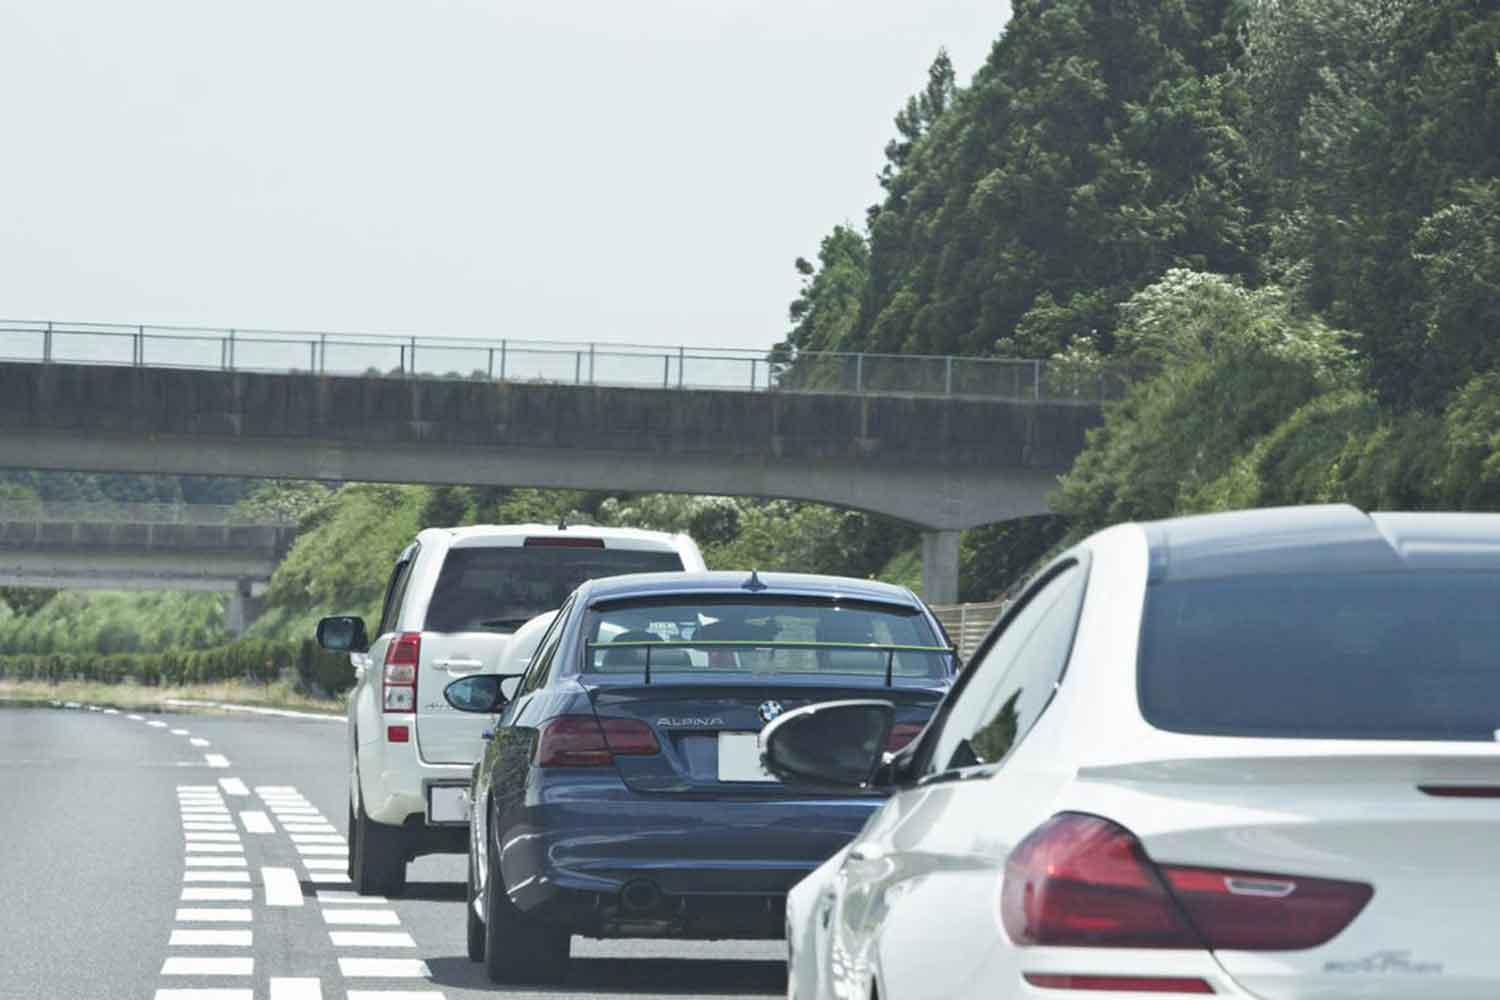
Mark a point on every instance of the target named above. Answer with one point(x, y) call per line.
point(197, 857)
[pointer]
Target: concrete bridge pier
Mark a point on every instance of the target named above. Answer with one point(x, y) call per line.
point(244, 608)
point(940, 566)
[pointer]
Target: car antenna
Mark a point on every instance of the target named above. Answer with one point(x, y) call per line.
point(754, 584)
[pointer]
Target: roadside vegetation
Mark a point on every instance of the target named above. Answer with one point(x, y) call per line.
point(1282, 215)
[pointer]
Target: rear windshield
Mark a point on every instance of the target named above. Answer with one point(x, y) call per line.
point(1398, 656)
point(762, 636)
point(501, 588)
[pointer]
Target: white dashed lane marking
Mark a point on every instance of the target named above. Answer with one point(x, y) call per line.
point(321, 849)
point(317, 838)
point(383, 968)
point(199, 741)
point(371, 939)
point(326, 896)
point(208, 995)
point(296, 989)
point(217, 848)
point(183, 937)
point(366, 918)
point(225, 862)
point(282, 887)
point(176, 966)
point(215, 875)
point(216, 894)
point(257, 822)
point(227, 915)
point(233, 786)
point(215, 760)
point(395, 995)
point(136, 718)
point(157, 725)
point(178, 732)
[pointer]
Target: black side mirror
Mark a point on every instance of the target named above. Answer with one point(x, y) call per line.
point(343, 634)
point(479, 693)
point(836, 743)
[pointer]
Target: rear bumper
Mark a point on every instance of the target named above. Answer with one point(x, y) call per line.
point(393, 783)
point(696, 867)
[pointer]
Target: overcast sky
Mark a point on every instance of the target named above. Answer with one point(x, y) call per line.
point(594, 169)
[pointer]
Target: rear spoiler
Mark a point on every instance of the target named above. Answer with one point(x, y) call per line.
point(890, 649)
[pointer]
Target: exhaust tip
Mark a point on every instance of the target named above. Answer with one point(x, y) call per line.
point(640, 896)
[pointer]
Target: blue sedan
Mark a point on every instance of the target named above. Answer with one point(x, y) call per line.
point(622, 792)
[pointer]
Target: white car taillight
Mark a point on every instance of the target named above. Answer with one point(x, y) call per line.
point(401, 659)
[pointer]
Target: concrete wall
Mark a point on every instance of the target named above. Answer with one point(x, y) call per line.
point(939, 463)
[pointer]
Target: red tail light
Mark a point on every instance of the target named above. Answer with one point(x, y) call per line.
point(1082, 881)
point(581, 741)
point(400, 677)
point(901, 734)
point(563, 542)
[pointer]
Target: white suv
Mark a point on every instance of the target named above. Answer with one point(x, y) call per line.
point(454, 602)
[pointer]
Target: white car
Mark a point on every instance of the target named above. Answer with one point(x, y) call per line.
point(454, 604)
point(1251, 755)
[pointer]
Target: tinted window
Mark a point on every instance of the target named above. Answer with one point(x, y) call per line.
point(1014, 679)
point(1402, 656)
point(546, 651)
point(715, 634)
point(395, 593)
point(501, 588)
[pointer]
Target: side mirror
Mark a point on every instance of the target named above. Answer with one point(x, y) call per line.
point(478, 693)
point(343, 634)
point(835, 743)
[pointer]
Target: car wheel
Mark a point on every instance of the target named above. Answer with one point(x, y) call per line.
point(516, 950)
point(377, 861)
point(474, 924)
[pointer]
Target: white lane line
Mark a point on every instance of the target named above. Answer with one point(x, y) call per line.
point(326, 864)
point(384, 968)
point(216, 848)
point(229, 915)
point(365, 918)
point(215, 760)
point(317, 838)
point(296, 989)
point(208, 827)
point(329, 878)
point(216, 894)
point(199, 741)
point(199, 808)
point(233, 786)
point(208, 967)
point(282, 887)
point(136, 718)
point(326, 896)
point(178, 732)
point(184, 937)
point(193, 862)
point(309, 827)
point(395, 995)
point(198, 788)
point(215, 876)
point(193, 837)
point(289, 811)
point(157, 725)
point(257, 822)
point(206, 995)
point(273, 789)
point(321, 849)
point(371, 939)
point(230, 706)
point(111, 711)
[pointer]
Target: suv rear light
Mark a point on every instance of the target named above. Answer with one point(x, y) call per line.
point(582, 741)
point(901, 734)
point(571, 542)
point(399, 693)
point(1083, 881)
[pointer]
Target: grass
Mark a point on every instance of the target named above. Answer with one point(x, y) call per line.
point(138, 697)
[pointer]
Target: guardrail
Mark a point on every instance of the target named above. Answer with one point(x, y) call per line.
point(94, 512)
point(560, 362)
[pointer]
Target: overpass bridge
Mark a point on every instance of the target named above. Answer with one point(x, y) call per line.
point(128, 546)
point(944, 443)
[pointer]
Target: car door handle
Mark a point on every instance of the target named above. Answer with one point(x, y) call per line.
point(457, 664)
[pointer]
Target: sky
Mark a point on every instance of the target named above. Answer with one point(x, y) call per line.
point(641, 172)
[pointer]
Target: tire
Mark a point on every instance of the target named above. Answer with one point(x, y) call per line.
point(377, 860)
point(474, 924)
point(517, 950)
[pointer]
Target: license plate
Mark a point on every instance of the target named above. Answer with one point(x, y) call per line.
point(739, 758)
point(447, 804)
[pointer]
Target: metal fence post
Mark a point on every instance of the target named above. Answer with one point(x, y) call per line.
point(231, 350)
point(47, 344)
point(591, 364)
point(322, 354)
point(752, 374)
point(490, 370)
point(859, 373)
point(1036, 380)
point(666, 371)
point(140, 346)
point(312, 355)
point(414, 357)
point(681, 358)
point(577, 367)
point(502, 360)
point(948, 375)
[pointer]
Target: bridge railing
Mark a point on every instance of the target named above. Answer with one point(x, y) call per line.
point(101, 512)
point(559, 362)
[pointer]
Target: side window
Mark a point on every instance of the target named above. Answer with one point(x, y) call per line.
point(1014, 679)
point(546, 652)
point(395, 593)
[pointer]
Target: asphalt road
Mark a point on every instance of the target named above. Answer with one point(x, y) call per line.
point(121, 841)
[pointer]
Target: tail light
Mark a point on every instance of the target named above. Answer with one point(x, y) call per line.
point(584, 741)
point(901, 734)
point(400, 678)
point(1083, 881)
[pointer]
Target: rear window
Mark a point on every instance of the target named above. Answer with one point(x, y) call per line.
point(761, 636)
point(501, 588)
point(1397, 656)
